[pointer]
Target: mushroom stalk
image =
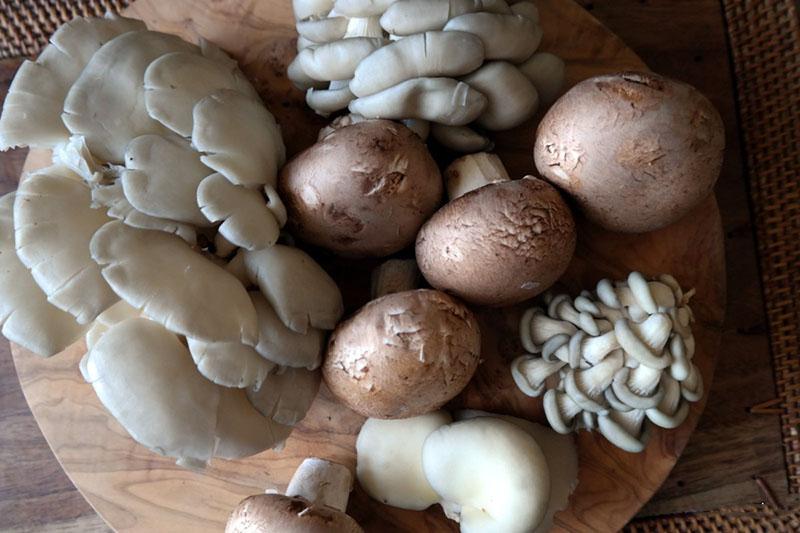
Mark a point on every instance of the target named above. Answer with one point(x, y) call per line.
point(322, 482)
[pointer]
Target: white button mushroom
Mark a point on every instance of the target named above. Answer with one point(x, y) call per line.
point(389, 460)
point(27, 317)
point(53, 224)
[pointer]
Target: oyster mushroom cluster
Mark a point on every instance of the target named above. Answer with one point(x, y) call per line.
point(155, 235)
point(440, 64)
point(618, 360)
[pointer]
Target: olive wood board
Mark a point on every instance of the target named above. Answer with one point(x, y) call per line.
point(134, 489)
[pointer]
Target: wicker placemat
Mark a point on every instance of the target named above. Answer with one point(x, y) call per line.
point(26, 25)
point(751, 518)
point(765, 43)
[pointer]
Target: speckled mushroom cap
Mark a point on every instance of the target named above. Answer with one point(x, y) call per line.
point(403, 355)
point(637, 151)
point(363, 190)
point(268, 513)
point(500, 244)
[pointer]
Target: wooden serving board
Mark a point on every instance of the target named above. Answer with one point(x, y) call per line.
point(136, 490)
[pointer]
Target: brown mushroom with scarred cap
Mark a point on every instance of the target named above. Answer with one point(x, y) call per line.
point(364, 190)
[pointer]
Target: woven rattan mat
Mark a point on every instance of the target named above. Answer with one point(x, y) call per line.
point(765, 44)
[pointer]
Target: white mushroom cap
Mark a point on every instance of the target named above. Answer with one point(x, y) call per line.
point(337, 60)
point(460, 138)
point(113, 198)
point(112, 316)
point(247, 221)
point(431, 54)
point(53, 224)
point(298, 289)
point(106, 103)
point(505, 37)
point(230, 364)
point(322, 30)
point(161, 178)
point(442, 100)
point(408, 17)
point(27, 317)
point(547, 72)
point(512, 98)
point(322, 482)
point(491, 475)
point(32, 108)
point(361, 8)
point(241, 431)
point(304, 9)
point(281, 345)
point(389, 460)
point(175, 82)
point(174, 285)
point(239, 137)
point(286, 395)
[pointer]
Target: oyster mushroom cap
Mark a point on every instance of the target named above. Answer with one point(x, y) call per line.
point(507, 37)
point(239, 137)
point(511, 97)
point(498, 245)
point(546, 71)
point(491, 475)
point(242, 431)
point(286, 395)
point(304, 9)
point(403, 354)
point(414, 16)
point(115, 314)
point(460, 138)
point(281, 345)
point(230, 364)
point(53, 225)
point(389, 460)
point(336, 60)
point(106, 103)
point(362, 8)
point(27, 317)
point(162, 176)
point(32, 108)
point(175, 82)
point(174, 285)
point(473, 171)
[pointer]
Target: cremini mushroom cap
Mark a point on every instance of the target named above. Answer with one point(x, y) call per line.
point(285, 514)
point(403, 355)
point(500, 244)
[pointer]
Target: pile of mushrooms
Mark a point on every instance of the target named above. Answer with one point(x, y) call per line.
point(617, 360)
point(488, 472)
point(443, 64)
point(155, 234)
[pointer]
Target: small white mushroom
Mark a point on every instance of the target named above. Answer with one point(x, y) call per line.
point(361, 8)
point(364, 27)
point(322, 30)
point(547, 72)
point(286, 395)
point(322, 482)
point(389, 460)
point(530, 373)
point(638, 387)
point(175, 82)
point(174, 285)
point(302, 44)
point(490, 474)
point(53, 224)
point(526, 9)
point(692, 386)
point(408, 17)
point(624, 430)
point(247, 221)
point(586, 386)
point(511, 97)
point(460, 138)
point(161, 178)
point(442, 100)
point(424, 55)
point(680, 367)
point(473, 171)
point(560, 411)
point(672, 410)
point(337, 60)
point(32, 108)
point(536, 328)
point(295, 71)
point(330, 100)
point(394, 275)
point(239, 137)
point(112, 197)
point(27, 317)
point(299, 290)
point(106, 103)
point(645, 341)
point(281, 345)
point(505, 37)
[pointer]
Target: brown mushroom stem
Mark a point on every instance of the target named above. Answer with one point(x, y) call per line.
point(395, 275)
point(322, 482)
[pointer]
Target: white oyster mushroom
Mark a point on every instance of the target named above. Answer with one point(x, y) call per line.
point(511, 97)
point(53, 224)
point(530, 373)
point(115, 314)
point(298, 289)
point(443, 100)
point(32, 109)
point(281, 345)
point(672, 410)
point(408, 17)
point(323, 30)
point(304, 9)
point(389, 460)
point(424, 55)
point(547, 72)
point(361, 8)
point(561, 411)
point(112, 197)
point(526, 9)
point(75, 155)
point(174, 285)
point(286, 395)
point(239, 138)
point(161, 178)
point(230, 364)
point(247, 220)
point(491, 475)
point(422, 128)
point(106, 103)
point(337, 60)
point(505, 37)
point(327, 101)
point(473, 171)
point(175, 82)
point(364, 27)
point(27, 317)
point(625, 430)
point(460, 138)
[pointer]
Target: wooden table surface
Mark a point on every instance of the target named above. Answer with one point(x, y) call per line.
point(684, 39)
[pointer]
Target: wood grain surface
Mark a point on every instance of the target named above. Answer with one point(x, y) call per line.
point(730, 445)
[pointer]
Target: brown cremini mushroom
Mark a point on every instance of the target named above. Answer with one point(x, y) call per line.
point(403, 355)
